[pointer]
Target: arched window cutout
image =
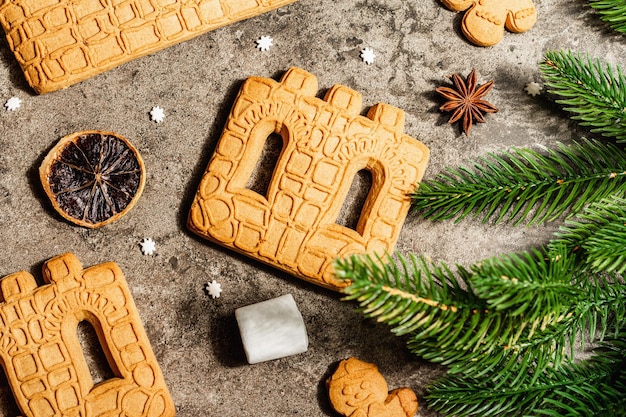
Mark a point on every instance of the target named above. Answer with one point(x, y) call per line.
point(261, 177)
point(8, 406)
point(95, 357)
point(350, 212)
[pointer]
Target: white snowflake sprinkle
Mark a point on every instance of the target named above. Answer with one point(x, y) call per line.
point(157, 114)
point(367, 55)
point(264, 43)
point(533, 88)
point(13, 103)
point(147, 246)
point(214, 289)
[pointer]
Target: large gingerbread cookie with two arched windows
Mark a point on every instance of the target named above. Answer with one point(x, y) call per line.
point(485, 20)
point(326, 142)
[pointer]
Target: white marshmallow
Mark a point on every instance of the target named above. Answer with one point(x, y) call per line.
point(272, 329)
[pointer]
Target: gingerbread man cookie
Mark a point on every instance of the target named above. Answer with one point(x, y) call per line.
point(485, 20)
point(357, 389)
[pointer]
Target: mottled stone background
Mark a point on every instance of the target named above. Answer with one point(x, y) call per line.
point(195, 338)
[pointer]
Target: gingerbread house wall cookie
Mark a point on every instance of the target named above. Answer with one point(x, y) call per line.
point(61, 42)
point(43, 358)
point(325, 144)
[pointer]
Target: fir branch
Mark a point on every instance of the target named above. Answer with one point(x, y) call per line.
point(612, 12)
point(593, 92)
point(525, 185)
point(527, 284)
point(592, 388)
point(600, 231)
point(448, 324)
point(422, 293)
point(601, 310)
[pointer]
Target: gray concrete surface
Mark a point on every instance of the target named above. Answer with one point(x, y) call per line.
point(195, 338)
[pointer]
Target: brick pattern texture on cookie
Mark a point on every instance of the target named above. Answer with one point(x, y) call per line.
point(485, 20)
point(43, 358)
point(61, 42)
point(325, 144)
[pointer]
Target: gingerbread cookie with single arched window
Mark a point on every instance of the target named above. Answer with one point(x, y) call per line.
point(42, 356)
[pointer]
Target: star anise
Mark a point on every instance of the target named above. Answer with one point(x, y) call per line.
point(466, 100)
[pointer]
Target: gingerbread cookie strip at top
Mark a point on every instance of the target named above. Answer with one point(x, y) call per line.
point(61, 42)
point(325, 144)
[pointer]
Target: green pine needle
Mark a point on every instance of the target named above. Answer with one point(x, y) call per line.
point(421, 292)
point(592, 388)
point(593, 92)
point(600, 231)
point(479, 321)
point(528, 284)
point(507, 327)
point(524, 185)
point(612, 12)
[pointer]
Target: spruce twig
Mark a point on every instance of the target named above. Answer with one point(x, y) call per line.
point(507, 327)
point(592, 388)
point(612, 12)
point(593, 92)
point(507, 317)
point(525, 185)
point(600, 232)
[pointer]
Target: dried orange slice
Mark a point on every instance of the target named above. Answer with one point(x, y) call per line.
point(93, 178)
